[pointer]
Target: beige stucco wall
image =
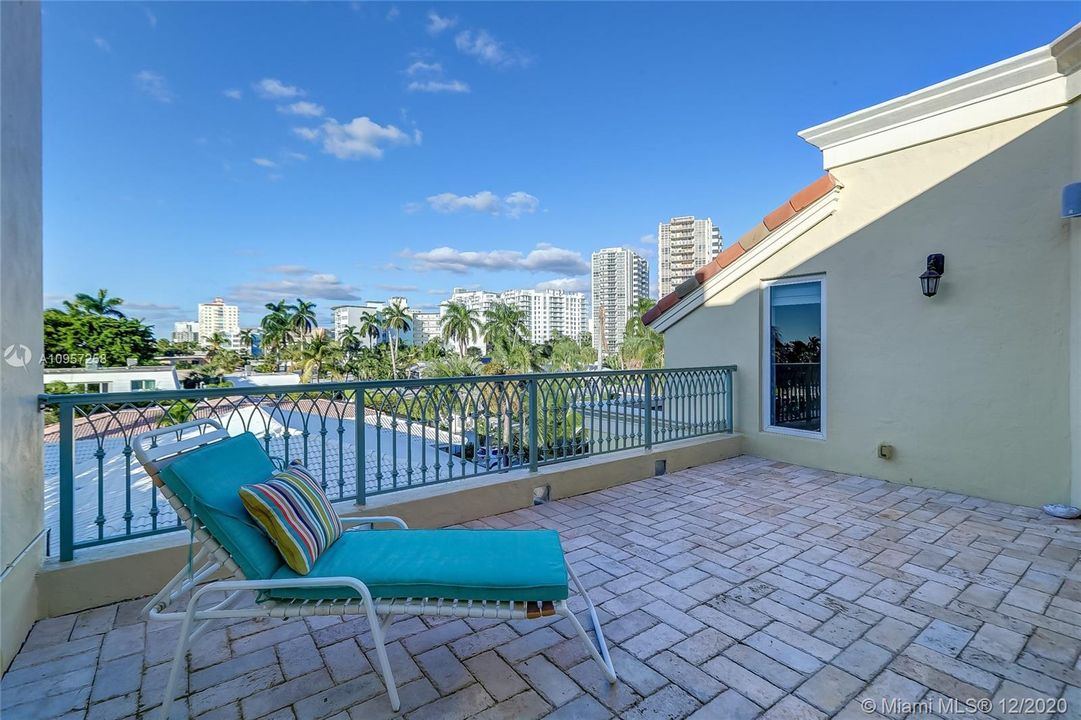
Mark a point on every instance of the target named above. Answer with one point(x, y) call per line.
point(971, 386)
point(21, 487)
point(111, 573)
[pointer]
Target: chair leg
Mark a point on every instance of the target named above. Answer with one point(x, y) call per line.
point(384, 661)
point(182, 645)
point(598, 651)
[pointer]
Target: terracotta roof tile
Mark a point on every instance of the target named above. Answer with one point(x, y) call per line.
point(779, 216)
point(753, 236)
point(800, 200)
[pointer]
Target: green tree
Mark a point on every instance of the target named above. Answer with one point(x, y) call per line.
point(371, 326)
point(642, 347)
point(453, 366)
point(396, 320)
point(100, 304)
point(73, 337)
point(303, 318)
point(216, 343)
point(319, 352)
point(246, 338)
point(276, 326)
point(460, 325)
point(504, 327)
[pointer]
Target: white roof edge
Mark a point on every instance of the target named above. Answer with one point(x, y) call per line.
point(1035, 72)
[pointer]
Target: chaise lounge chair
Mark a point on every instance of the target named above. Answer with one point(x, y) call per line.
point(381, 574)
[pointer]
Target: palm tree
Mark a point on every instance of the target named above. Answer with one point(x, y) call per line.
point(100, 304)
point(276, 326)
point(451, 366)
point(349, 342)
point(396, 320)
point(318, 352)
point(461, 326)
point(246, 337)
point(371, 326)
point(303, 319)
point(216, 342)
point(504, 327)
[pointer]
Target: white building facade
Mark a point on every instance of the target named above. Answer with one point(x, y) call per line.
point(684, 244)
point(186, 331)
point(220, 317)
point(620, 279)
point(426, 326)
point(550, 312)
point(351, 316)
point(115, 379)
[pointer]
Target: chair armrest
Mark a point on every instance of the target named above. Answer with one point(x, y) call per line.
point(389, 519)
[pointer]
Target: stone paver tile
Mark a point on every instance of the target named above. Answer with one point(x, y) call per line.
point(462, 704)
point(936, 593)
point(615, 696)
point(276, 632)
point(781, 651)
point(891, 634)
point(444, 670)
point(83, 652)
point(436, 636)
point(1053, 646)
point(115, 708)
point(821, 650)
point(734, 675)
point(222, 693)
point(633, 672)
point(117, 677)
point(1026, 598)
point(729, 705)
point(998, 642)
point(669, 703)
point(323, 700)
point(547, 679)
point(686, 676)
point(944, 637)
point(94, 622)
point(530, 644)
point(52, 707)
point(841, 630)
point(344, 660)
point(1006, 706)
point(479, 642)
point(49, 632)
point(125, 640)
point(233, 668)
point(891, 686)
point(675, 618)
point(497, 677)
point(702, 646)
point(863, 659)
point(792, 708)
point(413, 695)
point(526, 706)
point(652, 641)
point(830, 689)
point(286, 693)
point(981, 596)
point(298, 656)
point(583, 708)
point(766, 668)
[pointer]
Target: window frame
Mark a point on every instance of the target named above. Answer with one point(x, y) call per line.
point(766, 349)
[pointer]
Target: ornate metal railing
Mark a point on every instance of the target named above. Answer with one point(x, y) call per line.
point(797, 393)
point(411, 433)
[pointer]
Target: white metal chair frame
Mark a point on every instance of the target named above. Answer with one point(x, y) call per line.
point(212, 558)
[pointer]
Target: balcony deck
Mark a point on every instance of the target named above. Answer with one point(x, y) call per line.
point(734, 590)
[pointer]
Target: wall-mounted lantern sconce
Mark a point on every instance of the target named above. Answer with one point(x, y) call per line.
point(936, 266)
point(1071, 200)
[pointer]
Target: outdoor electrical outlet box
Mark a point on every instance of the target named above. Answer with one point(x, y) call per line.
point(660, 467)
point(885, 451)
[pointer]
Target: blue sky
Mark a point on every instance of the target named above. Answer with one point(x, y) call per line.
point(346, 151)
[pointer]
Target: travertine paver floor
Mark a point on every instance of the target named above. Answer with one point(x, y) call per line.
point(733, 590)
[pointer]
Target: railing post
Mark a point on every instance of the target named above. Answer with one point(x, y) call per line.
point(533, 454)
point(647, 430)
point(358, 443)
point(67, 481)
point(728, 400)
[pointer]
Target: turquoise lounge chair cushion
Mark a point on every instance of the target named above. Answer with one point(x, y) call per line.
point(460, 564)
point(207, 481)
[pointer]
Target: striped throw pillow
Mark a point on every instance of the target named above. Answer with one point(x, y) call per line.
point(294, 511)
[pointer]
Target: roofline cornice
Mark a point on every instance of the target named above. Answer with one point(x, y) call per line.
point(1020, 85)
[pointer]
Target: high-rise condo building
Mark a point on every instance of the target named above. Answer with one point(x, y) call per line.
point(620, 279)
point(352, 316)
point(425, 326)
point(218, 317)
point(684, 244)
point(186, 331)
point(550, 312)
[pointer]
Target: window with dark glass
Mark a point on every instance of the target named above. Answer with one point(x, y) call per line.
point(795, 356)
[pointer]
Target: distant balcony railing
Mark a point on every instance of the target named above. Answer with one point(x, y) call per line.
point(411, 433)
point(797, 394)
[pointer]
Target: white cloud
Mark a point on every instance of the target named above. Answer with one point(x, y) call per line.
point(411, 208)
point(393, 13)
point(264, 162)
point(232, 93)
point(288, 269)
point(102, 43)
point(274, 88)
point(514, 205)
point(292, 155)
point(568, 284)
point(306, 133)
point(305, 284)
point(151, 83)
point(484, 201)
point(520, 203)
point(151, 18)
point(543, 258)
point(362, 137)
point(486, 49)
point(398, 288)
point(438, 86)
point(649, 239)
point(438, 23)
point(303, 108)
point(420, 67)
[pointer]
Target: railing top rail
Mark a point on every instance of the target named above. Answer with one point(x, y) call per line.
point(46, 399)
